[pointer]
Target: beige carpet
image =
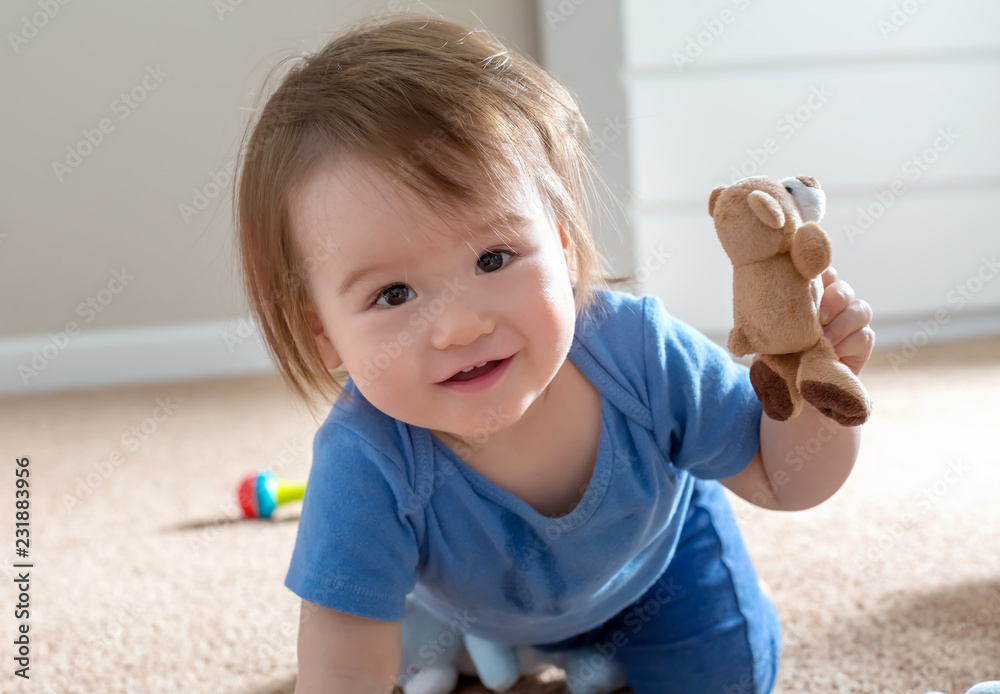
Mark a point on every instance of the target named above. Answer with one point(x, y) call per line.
point(143, 583)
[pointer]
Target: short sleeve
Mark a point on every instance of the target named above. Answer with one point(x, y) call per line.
point(356, 550)
point(706, 416)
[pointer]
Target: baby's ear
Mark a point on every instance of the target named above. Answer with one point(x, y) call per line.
point(569, 251)
point(326, 349)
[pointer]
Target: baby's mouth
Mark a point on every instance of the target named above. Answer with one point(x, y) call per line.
point(476, 371)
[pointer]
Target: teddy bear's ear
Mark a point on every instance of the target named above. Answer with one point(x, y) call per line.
point(767, 209)
point(712, 198)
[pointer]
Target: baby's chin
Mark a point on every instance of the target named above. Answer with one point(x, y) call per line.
point(471, 428)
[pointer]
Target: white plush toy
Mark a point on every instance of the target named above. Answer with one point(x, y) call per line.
point(982, 688)
point(434, 655)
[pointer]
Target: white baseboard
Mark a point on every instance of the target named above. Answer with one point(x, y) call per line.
point(930, 329)
point(130, 356)
point(158, 354)
point(897, 333)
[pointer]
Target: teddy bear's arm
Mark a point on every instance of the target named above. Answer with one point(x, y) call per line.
point(739, 344)
point(810, 250)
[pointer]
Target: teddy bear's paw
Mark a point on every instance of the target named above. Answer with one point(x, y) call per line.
point(739, 345)
point(843, 407)
point(772, 391)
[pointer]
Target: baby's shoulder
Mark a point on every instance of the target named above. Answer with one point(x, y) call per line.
point(610, 340)
point(612, 315)
point(357, 435)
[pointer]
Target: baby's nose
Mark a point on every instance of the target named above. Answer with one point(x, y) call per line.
point(461, 323)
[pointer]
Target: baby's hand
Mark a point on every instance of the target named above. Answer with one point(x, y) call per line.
point(845, 322)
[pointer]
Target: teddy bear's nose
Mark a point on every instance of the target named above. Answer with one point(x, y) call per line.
point(808, 197)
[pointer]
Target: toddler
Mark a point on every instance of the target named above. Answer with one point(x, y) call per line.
point(536, 457)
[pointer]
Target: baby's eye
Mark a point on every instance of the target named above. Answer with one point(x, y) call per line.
point(493, 260)
point(395, 295)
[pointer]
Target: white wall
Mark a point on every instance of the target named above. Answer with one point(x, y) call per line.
point(677, 95)
point(191, 68)
point(855, 93)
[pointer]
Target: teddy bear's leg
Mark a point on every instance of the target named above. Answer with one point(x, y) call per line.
point(773, 379)
point(832, 388)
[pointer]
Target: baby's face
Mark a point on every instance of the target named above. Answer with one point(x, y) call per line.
point(407, 299)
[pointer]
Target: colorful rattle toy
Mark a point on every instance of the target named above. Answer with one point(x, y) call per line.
point(261, 492)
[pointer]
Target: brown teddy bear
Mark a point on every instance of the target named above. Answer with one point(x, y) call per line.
point(768, 229)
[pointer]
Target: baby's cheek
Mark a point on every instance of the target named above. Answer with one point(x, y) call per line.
point(383, 359)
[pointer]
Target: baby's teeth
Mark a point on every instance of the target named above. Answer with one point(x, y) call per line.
point(477, 366)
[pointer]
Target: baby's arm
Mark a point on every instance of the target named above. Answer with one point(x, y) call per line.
point(801, 462)
point(341, 653)
point(804, 461)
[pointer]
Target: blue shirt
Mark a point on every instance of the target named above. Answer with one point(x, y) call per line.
point(389, 509)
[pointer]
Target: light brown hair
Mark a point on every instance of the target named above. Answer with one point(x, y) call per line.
point(438, 107)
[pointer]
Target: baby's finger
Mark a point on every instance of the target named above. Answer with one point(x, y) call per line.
point(855, 349)
point(856, 316)
point(835, 299)
point(829, 276)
